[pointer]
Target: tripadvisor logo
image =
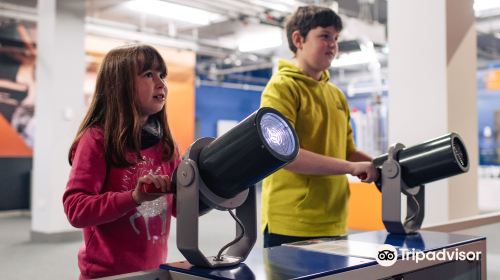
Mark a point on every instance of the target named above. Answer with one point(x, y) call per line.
point(441, 255)
point(387, 255)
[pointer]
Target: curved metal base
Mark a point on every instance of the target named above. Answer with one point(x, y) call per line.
point(393, 186)
point(190, 189)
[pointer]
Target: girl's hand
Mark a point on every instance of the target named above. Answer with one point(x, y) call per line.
point(150, 187)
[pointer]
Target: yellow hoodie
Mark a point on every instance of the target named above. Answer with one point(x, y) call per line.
point(308, 205)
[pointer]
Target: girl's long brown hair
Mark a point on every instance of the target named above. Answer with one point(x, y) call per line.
point(114, 108)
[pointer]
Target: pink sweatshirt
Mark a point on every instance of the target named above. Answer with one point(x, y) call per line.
point(118, 236)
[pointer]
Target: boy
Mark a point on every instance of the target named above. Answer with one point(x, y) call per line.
point(308, 198)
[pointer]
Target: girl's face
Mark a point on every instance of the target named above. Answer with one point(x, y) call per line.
point(150, 92)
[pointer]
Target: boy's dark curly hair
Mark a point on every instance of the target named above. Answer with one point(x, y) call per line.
point(310, 17)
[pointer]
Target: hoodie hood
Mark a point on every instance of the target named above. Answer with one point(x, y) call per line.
point(289, 69)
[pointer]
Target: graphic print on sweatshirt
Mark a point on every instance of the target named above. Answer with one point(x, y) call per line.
point(147, 209)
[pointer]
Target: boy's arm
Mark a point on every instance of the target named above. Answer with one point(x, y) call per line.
point(358, 155)
point(311, 163)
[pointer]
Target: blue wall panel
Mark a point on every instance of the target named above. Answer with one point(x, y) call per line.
point(217, 103)
point(488, 102)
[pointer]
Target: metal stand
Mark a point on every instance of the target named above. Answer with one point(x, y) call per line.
point(190, 189)
point(393, 186)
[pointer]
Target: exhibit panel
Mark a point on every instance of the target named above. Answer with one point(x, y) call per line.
point(431, 255)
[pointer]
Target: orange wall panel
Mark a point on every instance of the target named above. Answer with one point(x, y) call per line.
point(180, 105)
point(11, 144)
point(365, 207)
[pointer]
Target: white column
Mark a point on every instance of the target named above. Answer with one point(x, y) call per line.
point(60, 70)
point(432, 91)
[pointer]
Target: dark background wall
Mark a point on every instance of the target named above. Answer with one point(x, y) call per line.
point(15, 184)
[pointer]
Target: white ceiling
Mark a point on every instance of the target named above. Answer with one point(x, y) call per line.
point(242, 19)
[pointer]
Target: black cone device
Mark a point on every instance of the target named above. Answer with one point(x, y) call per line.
point(255, 148)
point(221, 174)
point(430, 161)
point(405, 170)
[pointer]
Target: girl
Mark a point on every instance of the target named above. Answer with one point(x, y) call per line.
point(123, 144)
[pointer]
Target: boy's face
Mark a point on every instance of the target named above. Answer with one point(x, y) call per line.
point(319, 48)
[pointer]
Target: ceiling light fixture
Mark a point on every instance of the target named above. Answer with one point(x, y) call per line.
point(174, 11)
point(352, 58)
point(263, 39)
point(483, 5)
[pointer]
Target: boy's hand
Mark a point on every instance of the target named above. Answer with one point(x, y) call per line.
point(150, 187)
point(365, 171)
